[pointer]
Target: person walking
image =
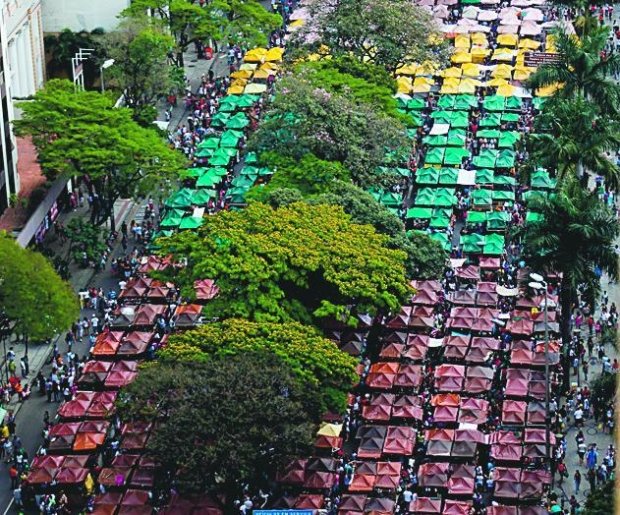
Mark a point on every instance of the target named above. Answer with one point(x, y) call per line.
point(577, 481)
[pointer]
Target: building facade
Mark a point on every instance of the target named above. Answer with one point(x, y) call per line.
point(80, 15)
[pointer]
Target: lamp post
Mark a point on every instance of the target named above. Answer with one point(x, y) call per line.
point(538, 283)
point(106, 64)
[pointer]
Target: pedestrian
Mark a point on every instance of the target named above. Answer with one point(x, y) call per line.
point(585, 368)
point(17, 497)
point(592, 457)
point(13, 474)
point(592, 479)
point(23, 368)
point(577, 481)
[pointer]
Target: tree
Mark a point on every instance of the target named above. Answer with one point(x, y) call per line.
point(573, 138)
point(307, 119)
point(63, 47)
point(243, 21)
point(314, 360)
point(223, 423)
point(362, 82)
point(81, 133)
point(309, 175)
point(32, 295)
point(84, 238)
point(299, 263)
point(426, 258)
point(575, 236)
point(600, 501)
point(141, 70)
point(388, 33)
point(584, 69)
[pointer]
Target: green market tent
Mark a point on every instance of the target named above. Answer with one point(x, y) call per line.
point(440, 218)
point(422, 213)
point(244, 181)
point(436, 141)
point(473, 243)
point(427, 176)
point(251, 158)
point(505, 159)
point(218, 170)
point(514, 103)
point(507, 139)
point(172, 218)
point(239, 121)
point(497, 220)
point(446, 102)
point(416, 104)
point(455, 155)
point(482, 197)
point(456, 119)
point(485, 176)
point(434, 156)
point(476, 217)
point(465, 102)
point(448, 176)
point(180, 199)
point(191, 222)
point(231, 138)
point(440, 197)
point(538, 102)
point(220, 119)
point(204, 152)
point(493, 245)
point(486, 158)
point(201, 197)
point(532, 216)
point(212, 143)
point(510, 117)
point(442, 238)
point(456, 138)
point(535, 195)
point(494, 103)
point(490, 120)
point(208, 180)
point(540, 179)
point(249, 170)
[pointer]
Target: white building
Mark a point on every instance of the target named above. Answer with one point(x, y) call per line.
point(24, 46)
point(80, 15)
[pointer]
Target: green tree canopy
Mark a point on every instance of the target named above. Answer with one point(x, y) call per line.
point(299, 262)
point(601, 501)
point(584, 69)
point(141, 71)
point(574, 139)
point(309, 175)
point(362, 82)
point(81, 133)
point(315, 360)
point(307, 119)
point(576, 237)
point(222, 423)
point(426, 258)
point(244, 21)
point(386, 32)
point(32, 295)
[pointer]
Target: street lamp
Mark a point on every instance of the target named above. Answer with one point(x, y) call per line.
point(106, 64)
point(538, 283)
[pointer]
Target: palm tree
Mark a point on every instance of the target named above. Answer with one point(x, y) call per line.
point(575, 236)
point(572, 137)
point(584, 70)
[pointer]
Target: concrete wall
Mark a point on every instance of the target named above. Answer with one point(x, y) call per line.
point(81, 14)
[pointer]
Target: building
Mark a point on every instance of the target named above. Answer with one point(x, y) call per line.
point(24, 46)
point(80, 15)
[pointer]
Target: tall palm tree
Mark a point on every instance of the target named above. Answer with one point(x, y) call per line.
point(571, 137)
point(584, 70)
point(575, 236)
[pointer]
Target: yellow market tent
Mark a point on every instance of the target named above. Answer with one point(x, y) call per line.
point(408, 69)
point(274, 54)
point(471, 70)
point(330, 430)
point(404, 85)
point(506, 90)
point(507, 39)
point(256, 55)
point(255, 89)
point(502, 71)
point(423, 84)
